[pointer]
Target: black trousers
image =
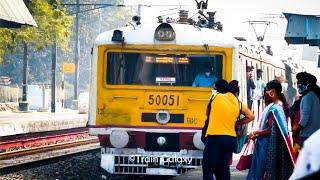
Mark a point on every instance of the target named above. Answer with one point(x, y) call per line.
point(216, 157)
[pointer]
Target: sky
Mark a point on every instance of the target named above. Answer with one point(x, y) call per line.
point(234, 15)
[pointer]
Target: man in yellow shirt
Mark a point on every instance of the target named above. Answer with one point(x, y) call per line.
point(221, 134)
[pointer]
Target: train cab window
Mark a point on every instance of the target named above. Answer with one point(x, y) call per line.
point(161, 69)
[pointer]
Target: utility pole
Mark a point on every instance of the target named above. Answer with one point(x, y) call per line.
point(24, 106)
point(53, 76)
point(62, 88)
point(25, 71)
point(77, 52)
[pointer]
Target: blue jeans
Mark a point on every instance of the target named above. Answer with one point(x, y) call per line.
point(216, 157)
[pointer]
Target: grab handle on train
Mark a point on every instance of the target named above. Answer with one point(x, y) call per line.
point(125, 97)
point(197, 99)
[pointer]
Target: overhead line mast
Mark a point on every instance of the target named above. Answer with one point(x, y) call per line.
point(261, 37)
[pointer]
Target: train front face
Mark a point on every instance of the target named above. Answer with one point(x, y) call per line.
point(147, 106)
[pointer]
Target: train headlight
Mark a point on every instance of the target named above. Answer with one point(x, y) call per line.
point(164, 32)
point(119, 138)
point(197, 141)
point(161, 140)
point(163, 117)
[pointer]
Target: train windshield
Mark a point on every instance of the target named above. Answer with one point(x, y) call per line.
point(125, 68)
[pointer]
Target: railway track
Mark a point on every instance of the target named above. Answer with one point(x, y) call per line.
point(13, 146)
point(33, 150)
point(26, 152)
point(29, 151)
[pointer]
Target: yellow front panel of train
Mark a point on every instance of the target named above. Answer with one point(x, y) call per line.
point(142, 86)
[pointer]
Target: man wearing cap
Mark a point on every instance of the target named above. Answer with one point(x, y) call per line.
point(206, 79)
point(250, 86)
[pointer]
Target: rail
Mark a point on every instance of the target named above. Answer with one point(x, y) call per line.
point(28, 151)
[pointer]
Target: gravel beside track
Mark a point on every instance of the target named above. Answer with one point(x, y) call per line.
point(84, 166)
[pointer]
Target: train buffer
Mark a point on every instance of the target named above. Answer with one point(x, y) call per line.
point(22, 123)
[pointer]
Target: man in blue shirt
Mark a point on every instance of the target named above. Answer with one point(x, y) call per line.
point(206, 79)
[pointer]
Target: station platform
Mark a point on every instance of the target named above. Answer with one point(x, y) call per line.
point(196, 174)
point(13, 123)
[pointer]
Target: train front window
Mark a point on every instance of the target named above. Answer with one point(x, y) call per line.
point(163, 69)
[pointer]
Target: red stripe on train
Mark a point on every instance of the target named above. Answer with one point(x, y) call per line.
point(148, 127)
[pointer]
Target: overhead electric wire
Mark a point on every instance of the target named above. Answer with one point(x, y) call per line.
point(104, 5)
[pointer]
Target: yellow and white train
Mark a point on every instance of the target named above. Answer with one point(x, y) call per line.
point(143, 107)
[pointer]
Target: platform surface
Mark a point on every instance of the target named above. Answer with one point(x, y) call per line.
point(196, 174)
point(13, 123)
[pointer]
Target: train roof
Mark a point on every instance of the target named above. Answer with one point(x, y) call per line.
point(185, 35)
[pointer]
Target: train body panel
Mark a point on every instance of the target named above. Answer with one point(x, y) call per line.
point(142, 99)
point(113, 101)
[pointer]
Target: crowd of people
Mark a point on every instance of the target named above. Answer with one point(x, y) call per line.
point(276, 150)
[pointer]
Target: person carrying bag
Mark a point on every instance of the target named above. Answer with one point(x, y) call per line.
point(220, 86)
point(273, 156)
point(206, 122)
point(220, 136)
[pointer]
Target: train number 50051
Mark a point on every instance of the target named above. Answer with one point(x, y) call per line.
point(164, 100)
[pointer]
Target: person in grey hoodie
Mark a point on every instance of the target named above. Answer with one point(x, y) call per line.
point(309, 107)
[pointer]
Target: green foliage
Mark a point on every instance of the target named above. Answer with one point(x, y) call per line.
point(91, 24)
point(52, 24)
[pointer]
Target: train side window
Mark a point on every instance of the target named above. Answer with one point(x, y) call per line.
point(202, 65)
point(264, 77)
point(246, 63)
point(268, 75)
point(244, 81)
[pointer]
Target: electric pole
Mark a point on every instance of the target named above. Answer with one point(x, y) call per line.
point(53, 76)
point(77, 52)
point(23, 105)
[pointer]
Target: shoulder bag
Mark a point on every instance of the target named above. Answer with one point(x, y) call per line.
point(206, 122)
